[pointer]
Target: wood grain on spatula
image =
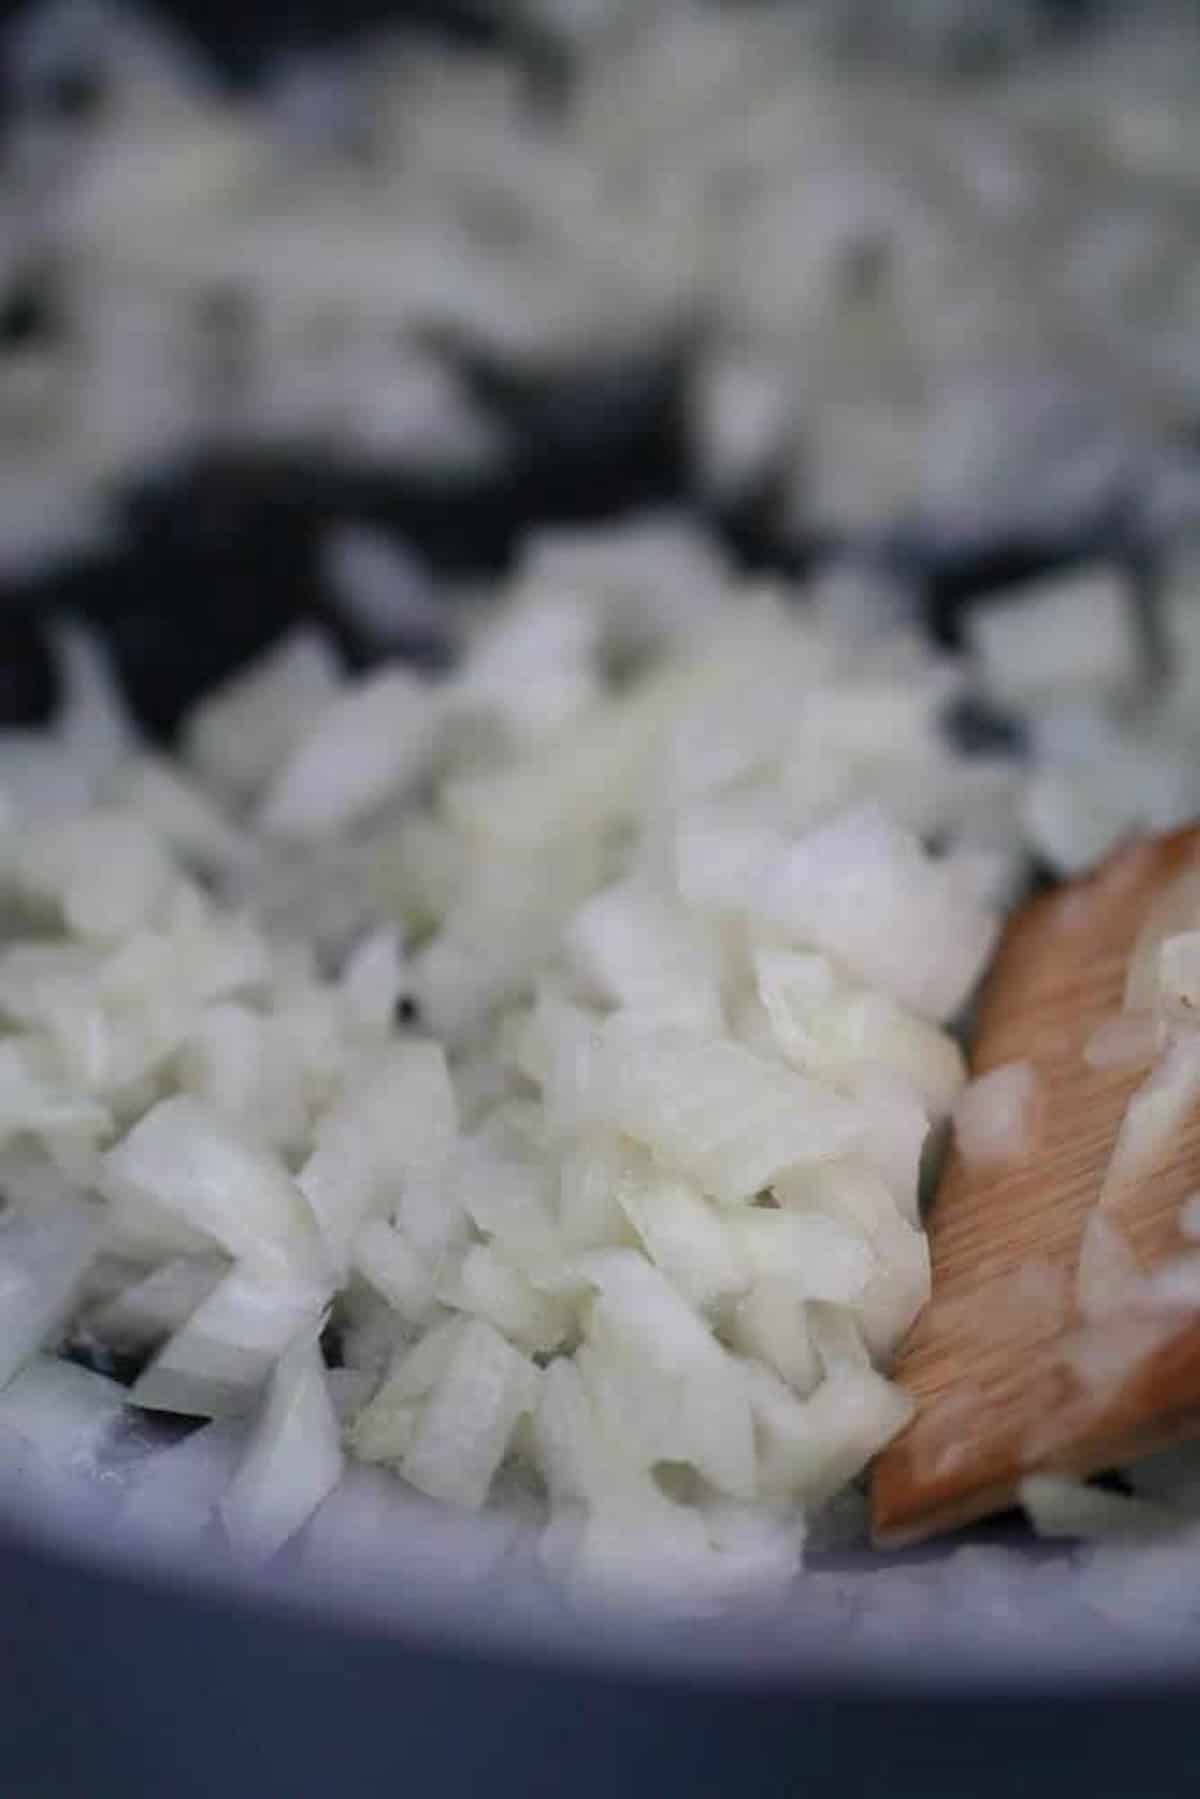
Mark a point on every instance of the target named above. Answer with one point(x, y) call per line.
point(994, 1362)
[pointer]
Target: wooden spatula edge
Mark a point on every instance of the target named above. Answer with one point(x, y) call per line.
point(992, 1364)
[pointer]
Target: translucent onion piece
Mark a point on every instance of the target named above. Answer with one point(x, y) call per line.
point(465, 1426)
point(715, 1111)
point(1152, 1120)
point(186, 1158)
point(996, 1119)
point(293, 1459)
point(374, 740)
point(399, 1121)
point(1108, 1278)
point(216, 1363)
point(1176, 909)
point(1059, 1507)
point(866, 894)
point(146, 1311)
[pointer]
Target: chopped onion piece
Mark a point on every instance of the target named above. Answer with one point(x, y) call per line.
point(429, 1213)
point(721, 863)
point(831, 1033)
point(138, 1229)
point(683, 1233)
point(577, 1461)
point(1172, 912)
point(293, 1460)
point(400, 1121)
point(217, 1362)
point(1152, 1121)
point(569, 1043)
point(593, 774)
point(770, 1324)
point(371, 983)
point(507, 1196)
point(895, 1132)
point(241, 734)
point(865, 893)
point(638, 950)
point(838, 1340)
point(1060, 1507)
point(1108, 1278)
point(188, 1159)
point(794, 986)
point(820, 1257)
point(106, 871)
point(148, 1310)
point(33, 1105)
point(221, 1064)
point(180, 812)
point(590, 1215)
point(373, 741)
point(996, 1119)
point(713, 1110)
point(810, 1448)
point(660, 1344)
point(465, 1426)
point(532, 669)
point(387, 1260)
point(899, 1282)
point(1176, 1284)
point(1104, 1356)
point(484, 1285)
point(1179, 972)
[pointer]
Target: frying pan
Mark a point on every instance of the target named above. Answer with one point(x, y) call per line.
point(419, 1667)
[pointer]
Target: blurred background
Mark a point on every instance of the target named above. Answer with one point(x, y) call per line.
point(907, 287)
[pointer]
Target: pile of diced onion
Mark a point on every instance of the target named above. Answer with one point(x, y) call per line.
point(516, 1079)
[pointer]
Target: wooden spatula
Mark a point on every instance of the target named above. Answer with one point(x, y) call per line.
point(1001, 1365)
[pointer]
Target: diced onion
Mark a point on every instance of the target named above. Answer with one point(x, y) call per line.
point(1108, 1278)
point(713, 1110)
point(1060, 1507)
point(400, 1121)
point(186, 1158)
point(864, 892)
point(373, 741)
point(1172, 912)
point(996, 1119)
point(464, 1427)
point(1152, 1121)
point(216, 1363)
point(293, 1459)
point(240, 735)
point(146, 1311)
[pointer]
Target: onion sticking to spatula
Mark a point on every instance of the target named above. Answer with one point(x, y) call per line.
point(1063, 1334)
